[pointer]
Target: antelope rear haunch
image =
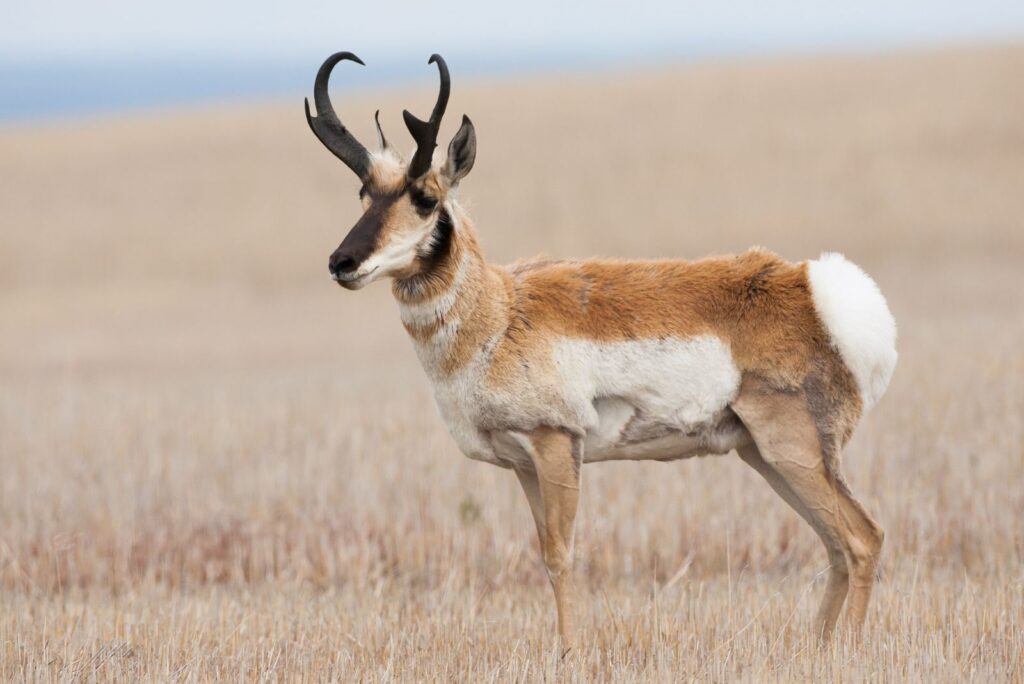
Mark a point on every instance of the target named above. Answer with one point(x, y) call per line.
point(543, 366)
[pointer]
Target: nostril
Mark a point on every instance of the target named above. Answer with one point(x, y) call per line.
point(341, 263)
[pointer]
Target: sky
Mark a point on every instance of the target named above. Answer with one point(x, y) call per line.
point(108, 55)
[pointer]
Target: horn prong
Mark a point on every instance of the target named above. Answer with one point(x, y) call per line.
point(425, 132)
point(381, 140)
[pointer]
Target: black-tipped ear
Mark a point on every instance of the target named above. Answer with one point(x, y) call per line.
point(461, 152)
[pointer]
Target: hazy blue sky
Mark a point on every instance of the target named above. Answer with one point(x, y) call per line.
point(229, 27)
point(199, 49)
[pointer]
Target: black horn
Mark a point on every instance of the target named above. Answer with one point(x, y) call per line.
point(425, 132)
point(328, 128)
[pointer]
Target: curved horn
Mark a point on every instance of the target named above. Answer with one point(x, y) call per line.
point(425, 132)
point(328, 128)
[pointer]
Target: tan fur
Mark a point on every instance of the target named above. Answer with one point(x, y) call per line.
point(789, 453)
point(797, 399)
point(758, 302)
point(552, 485)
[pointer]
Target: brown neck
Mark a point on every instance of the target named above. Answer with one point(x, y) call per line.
point(456, 303)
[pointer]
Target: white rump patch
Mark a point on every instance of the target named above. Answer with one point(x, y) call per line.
point(858, 321)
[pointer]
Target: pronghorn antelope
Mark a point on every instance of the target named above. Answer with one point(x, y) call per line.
point(542, 366)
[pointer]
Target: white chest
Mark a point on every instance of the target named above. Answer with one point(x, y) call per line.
point(461, 399)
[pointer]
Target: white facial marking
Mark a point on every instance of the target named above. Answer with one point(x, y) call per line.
point(398, 253)
point(357, 280)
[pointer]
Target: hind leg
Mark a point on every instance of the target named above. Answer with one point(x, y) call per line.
point(838, 579)
point(792, 460)
point(863, 556)
point(860, 537)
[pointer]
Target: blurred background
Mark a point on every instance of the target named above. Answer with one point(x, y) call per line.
point(214, 462)
point(115, 55)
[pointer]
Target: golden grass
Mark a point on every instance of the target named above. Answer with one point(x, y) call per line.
point(215, 465)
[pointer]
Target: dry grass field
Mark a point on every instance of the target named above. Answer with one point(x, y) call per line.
point(215, 464)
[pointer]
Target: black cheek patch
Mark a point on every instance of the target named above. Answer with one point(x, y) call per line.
point(441, 245)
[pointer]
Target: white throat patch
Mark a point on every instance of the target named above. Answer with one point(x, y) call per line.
point(421, 314)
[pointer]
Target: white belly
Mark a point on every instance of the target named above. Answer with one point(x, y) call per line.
point(624, 432)
point(652, 399)
point(657, 399)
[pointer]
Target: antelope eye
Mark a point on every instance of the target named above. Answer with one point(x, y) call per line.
point(423, 203)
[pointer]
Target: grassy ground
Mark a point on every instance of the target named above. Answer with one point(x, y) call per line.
point(216, 465)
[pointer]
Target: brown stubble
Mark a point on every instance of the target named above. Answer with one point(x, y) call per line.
point(218, 466)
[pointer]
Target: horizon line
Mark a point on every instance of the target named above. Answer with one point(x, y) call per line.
point(138, 87)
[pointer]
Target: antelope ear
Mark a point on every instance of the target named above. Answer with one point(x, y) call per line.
point(461, 152)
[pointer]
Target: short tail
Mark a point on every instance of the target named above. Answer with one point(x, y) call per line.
point(858, 320)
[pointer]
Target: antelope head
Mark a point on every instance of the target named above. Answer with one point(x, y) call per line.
point(407, 212)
